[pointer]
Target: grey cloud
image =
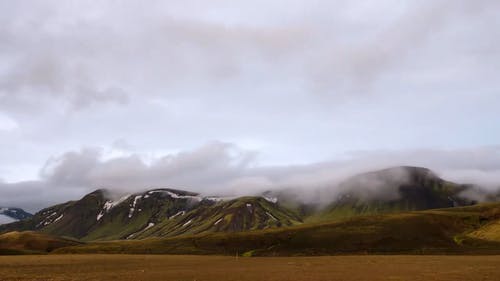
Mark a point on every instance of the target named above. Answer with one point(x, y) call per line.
point(43, 77)
point(35, 195)
point(224, 169)
point(348, 67)
point(206, 166)
point(90, 59)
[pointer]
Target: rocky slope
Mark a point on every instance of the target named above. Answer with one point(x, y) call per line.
point(158, 212)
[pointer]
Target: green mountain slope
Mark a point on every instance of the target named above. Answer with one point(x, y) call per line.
point(170, 213)
point(159, 212)
point(131, 214)
point(241, 214)
point(451, 230)
point(394, 190)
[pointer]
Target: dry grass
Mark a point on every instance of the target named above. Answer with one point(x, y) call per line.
point(157, 267)
point(32, 242)
point(489, 232)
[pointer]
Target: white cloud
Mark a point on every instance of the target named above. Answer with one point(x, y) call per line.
point(224, 169)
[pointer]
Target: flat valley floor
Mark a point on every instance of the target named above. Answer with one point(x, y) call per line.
point(189, 268)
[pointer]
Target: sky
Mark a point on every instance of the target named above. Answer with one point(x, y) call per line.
point(242, 96)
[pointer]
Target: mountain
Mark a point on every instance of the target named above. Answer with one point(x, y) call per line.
point(172, 213)
point(456, 230)
point(394, 190)
point(158, 212)
point(241, 214)
point(8, 215)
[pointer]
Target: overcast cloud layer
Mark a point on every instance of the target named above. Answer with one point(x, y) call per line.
point(219, 96)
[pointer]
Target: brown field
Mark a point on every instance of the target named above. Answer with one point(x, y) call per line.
point(158, 267)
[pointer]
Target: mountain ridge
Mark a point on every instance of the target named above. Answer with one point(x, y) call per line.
point(164, 212)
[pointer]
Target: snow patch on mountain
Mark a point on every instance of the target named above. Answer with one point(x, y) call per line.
point(51, 218)
point(271, 216)
point(271, 199)
point(108, 205)
point(181, 213)
point(218, 221)
point(59, 217)
point(177, 196)
point(132, 209)
point(140, 231)
point(187, 223)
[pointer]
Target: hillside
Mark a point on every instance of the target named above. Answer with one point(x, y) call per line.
point(158, 212)
point(451, 230)
point(241, 214)
point(168, 212)
point(31, 242)
point(394, 190)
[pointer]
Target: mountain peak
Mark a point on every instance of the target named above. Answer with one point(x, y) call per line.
point(8, 215)
point(402, 188)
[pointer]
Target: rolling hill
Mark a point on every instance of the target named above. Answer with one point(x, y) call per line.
point(29, 242)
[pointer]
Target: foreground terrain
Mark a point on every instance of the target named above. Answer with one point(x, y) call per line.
point(157, 267)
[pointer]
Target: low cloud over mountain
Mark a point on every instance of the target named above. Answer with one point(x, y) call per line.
point(224, 169)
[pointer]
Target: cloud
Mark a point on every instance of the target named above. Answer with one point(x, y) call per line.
point(86, 54)
point(35, 195)
point(207, 166)
point(44, 77)
point(219, 168)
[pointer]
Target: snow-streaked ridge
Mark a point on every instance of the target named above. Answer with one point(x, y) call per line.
point(175, 195)
point(108, 205)
point(181, 213)
point(132, 208)
point(271, 199)
point(140, 231)
point(188, 222)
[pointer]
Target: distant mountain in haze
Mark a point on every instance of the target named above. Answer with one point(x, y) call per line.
point(8, 215)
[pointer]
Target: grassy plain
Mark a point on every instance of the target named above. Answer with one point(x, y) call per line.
point(221, 268)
